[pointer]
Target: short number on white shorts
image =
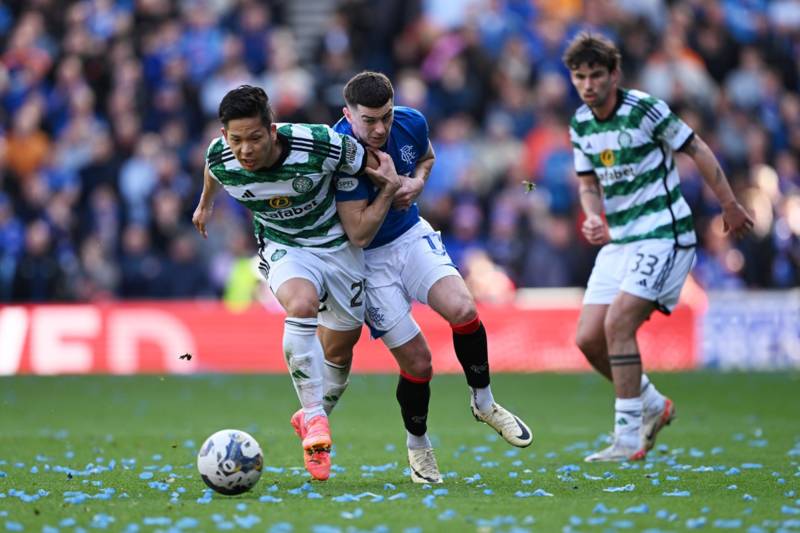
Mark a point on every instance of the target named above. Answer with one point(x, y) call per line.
point(649, 264)
point(436, 244)
point(356, 300)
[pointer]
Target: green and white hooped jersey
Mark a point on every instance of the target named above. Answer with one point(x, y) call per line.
point(293, 202)
point(632, 155)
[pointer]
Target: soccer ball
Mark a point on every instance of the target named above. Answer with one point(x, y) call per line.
point(230, 461)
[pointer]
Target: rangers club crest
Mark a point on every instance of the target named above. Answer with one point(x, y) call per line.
point(407, 154)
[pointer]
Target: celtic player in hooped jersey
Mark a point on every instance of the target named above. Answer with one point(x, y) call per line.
point(624, 144)
point(283, 174)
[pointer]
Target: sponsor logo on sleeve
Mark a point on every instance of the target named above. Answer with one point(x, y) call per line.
point(350, 151)
point(346, 184)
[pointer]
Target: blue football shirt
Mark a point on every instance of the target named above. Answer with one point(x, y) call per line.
point(407, 143)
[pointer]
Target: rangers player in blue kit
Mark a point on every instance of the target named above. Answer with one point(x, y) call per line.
point(407, 261)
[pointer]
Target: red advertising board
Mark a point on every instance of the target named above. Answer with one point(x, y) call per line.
point(151, 337)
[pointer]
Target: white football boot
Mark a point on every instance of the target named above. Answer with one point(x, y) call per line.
point(510, 427)
point(423, 466)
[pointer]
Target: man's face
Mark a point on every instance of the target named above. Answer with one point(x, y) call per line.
point(251, 142)
point(594, 84)
point(371, 125)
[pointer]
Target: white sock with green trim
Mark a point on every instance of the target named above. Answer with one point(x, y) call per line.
point(336, 380)
point(627, 421)
point(303, 353)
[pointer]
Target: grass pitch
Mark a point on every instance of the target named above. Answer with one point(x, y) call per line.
point(118, 453)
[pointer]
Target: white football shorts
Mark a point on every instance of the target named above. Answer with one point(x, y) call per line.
point(652, 269)
point(338, 275)
point(399, 272)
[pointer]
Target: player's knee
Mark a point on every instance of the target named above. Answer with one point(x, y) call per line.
point(419, 368)
point(341, 356)
point(461, 310)
point(589, 343)
point(618, 329)
point(302, 307)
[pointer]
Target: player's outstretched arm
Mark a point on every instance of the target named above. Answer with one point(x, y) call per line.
point(205, 207)
point(413, 185)
point(594, 227)
point(735, 217)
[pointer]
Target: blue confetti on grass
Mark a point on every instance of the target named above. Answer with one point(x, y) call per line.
point(448, 514)
point(187, 522)
point(156, 521)
point(637, 509)
point(269, 499)
point(247, 522)
point(722, 523)
point(600, 508)
point(786, 509)
point(752, 466)
point(146, 475)
point(622, 524)
point(13, 526)
point(696, 523)
point(678, 493)
point(630, 487)
point(398, 496)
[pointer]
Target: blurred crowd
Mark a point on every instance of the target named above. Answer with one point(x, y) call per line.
point(108, 107)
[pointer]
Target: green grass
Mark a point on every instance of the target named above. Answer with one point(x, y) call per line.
point(724, 421)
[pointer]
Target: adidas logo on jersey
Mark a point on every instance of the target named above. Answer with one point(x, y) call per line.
point(248, 194)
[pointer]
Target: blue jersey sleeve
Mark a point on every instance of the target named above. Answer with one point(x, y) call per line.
point(351, 187)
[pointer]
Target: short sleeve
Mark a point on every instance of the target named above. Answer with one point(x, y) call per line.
point(583, 165)
point(353, 156)
point(665, 126)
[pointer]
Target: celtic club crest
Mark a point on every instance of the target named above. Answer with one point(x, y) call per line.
point(302, 184)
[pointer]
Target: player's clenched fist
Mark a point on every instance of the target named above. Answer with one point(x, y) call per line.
point(595, 230)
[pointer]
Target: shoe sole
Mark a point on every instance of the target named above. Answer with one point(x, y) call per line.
point(419, 478)
point(319, 476)
point(665, 419)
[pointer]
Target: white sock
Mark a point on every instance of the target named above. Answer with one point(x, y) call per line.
point(483, 398)
point(628, 421)
point(303, 353)
point(417, 441)
point(335, 384)
point(653, 401)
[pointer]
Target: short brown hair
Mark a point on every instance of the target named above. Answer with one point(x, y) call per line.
point(368, 88)
point(592, 49)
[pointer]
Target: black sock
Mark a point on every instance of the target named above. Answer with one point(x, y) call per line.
point(414, 397)
point(469, 341)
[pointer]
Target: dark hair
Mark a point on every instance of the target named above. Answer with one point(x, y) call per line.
point(591, 49)
point(370, 89)
point(245, 101)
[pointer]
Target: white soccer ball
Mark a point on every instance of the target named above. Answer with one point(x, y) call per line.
point(230, 461)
